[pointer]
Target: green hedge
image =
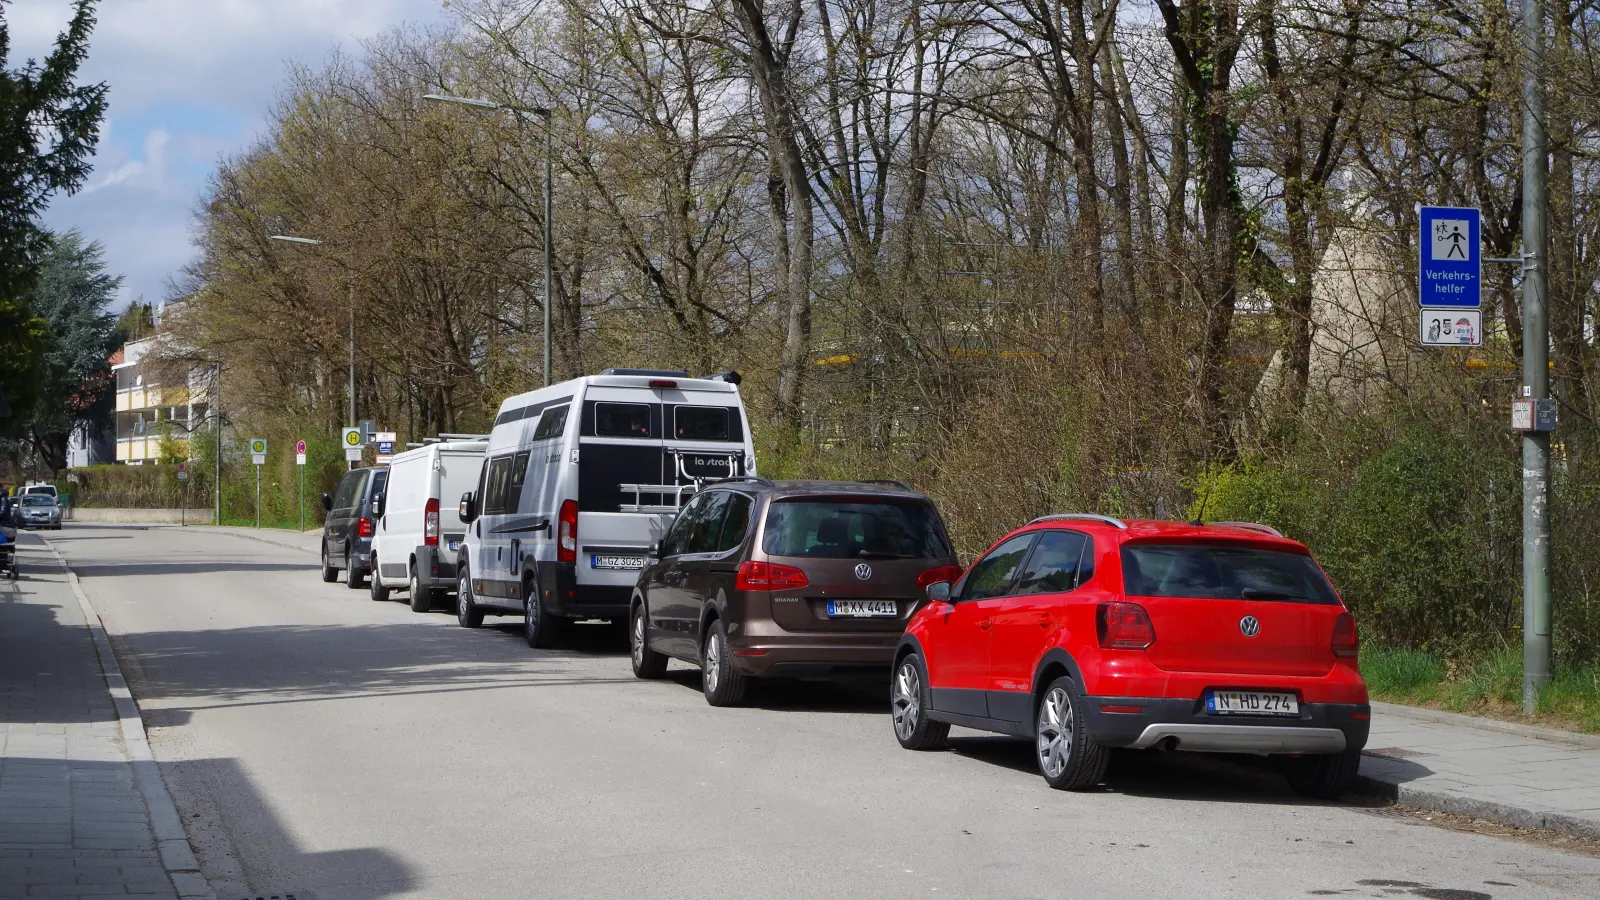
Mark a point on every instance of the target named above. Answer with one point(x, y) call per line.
point(156, 486)
point(1419, 525)
point(150, 486)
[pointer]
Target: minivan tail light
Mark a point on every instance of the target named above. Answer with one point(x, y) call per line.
point(1346, 643)
point(764, 576)
point(567, 533)
point(662, 383)
point(363, 527)
point(430, 523)
point(1124, 626)
point(951, 574)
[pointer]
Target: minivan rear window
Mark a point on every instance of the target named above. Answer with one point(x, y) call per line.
point(854, 528)
point(622, 420)
point(701, 423)
point(1223, 572)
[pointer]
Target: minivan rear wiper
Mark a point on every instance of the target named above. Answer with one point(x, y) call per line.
point(1265, 594)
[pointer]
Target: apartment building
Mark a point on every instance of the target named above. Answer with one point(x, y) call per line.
point(150, 412)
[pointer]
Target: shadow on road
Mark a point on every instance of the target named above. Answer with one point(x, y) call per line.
point(859, 696)
point(245, 850)
point(293, 664)
point(1194, 777)
point(183, 567)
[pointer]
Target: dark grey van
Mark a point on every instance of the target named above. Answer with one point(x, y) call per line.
point(347, 536)
point(807, 579)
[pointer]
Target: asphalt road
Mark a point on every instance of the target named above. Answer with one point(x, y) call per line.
point(317, 741)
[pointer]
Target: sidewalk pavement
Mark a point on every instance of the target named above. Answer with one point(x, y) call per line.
point(83, 809)
point(1498, 771)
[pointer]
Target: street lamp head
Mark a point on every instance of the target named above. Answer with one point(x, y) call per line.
point(480, 103)
point(294, 240)
point(463, 101)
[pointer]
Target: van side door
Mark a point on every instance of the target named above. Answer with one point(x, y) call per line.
point(712, 573)
point(490, 567)
point(667, 585)
point(342, 518)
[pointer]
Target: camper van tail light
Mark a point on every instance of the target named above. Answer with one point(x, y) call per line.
point(663, 383)
point(567, 536)
point(363, 527)
point(430, 523)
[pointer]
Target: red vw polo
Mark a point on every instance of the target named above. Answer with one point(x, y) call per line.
point(1087, 633)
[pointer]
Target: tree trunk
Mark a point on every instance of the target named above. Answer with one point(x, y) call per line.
point(769, 70)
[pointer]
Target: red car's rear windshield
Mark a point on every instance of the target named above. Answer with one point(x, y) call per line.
point(1223, 572)
point(854, 528)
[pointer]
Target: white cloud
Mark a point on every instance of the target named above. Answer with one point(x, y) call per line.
point(189, 81)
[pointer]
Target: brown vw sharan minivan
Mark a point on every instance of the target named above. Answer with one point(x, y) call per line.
point(786, 579)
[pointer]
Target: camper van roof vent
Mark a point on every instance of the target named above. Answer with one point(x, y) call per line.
point(668, 373)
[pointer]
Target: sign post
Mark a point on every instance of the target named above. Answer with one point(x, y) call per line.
point(183, 504)
point(1450, 277)
point(258, 455)
point(353, 443)
point(300, 463)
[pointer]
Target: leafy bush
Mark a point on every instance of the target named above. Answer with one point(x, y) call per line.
point(151, 486)
point(1419, 525)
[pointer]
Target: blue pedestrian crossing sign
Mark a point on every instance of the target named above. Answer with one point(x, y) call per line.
point(1451, 270)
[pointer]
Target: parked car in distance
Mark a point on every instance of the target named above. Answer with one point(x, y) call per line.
point(419, 528)
point(581, 478)
point(1086, 633)
point(347, 533)
point(40, 511)
point(46, 489)
point(793, 578)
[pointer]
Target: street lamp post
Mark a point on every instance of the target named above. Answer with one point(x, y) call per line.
point(542, 112)
point(351, 299)
point(218, 487)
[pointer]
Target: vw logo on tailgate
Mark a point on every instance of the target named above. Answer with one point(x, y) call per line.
point(1249, 626)
point(863, 571)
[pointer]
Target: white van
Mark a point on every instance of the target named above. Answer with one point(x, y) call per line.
point(582, 478)
point(419, 530)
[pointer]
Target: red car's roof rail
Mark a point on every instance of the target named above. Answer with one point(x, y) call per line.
point(1253, 526)
point(1094, 517)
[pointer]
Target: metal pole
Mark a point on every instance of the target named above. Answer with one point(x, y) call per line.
point(218, 486)
point(258, 496)
point(549, 229)
point(1535, 365)
point(351, 294)
point(302, 497)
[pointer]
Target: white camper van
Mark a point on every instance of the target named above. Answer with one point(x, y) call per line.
point(419, 530)
point(581, 478)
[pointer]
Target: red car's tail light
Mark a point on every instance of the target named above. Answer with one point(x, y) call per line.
point(363, 527)
point(951, 574)
point(430, 523)
point(1124, 626)
point(567, 532)
point(1346, 644)
point(762, 576)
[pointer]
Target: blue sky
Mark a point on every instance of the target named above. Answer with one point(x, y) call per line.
point(190, 81)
